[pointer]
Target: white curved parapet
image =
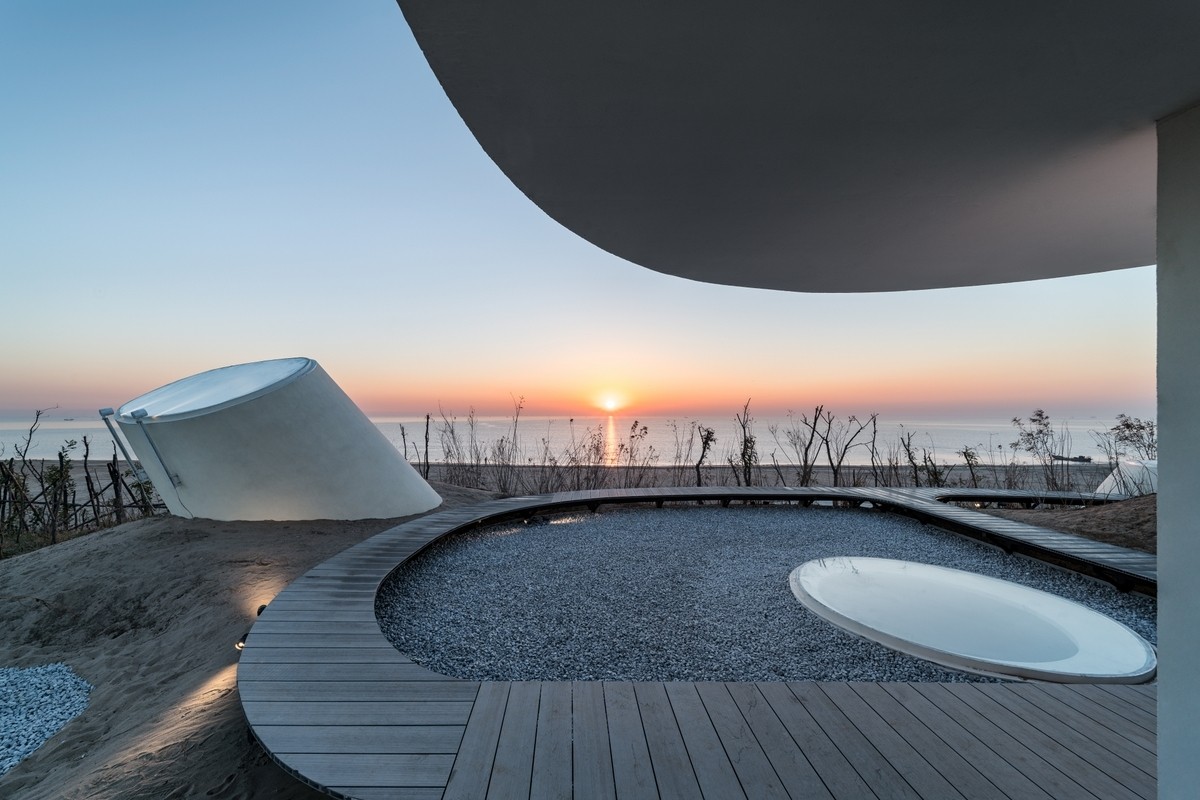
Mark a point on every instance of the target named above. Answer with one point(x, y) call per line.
point(972, 622)
point(269, 440)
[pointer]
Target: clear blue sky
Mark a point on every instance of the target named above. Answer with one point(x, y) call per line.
point(189, 185)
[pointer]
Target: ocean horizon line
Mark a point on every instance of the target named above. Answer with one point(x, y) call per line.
point(539, 437)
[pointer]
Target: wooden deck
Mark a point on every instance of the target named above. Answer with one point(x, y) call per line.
point(341, 709)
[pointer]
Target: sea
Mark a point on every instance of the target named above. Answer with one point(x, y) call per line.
point(670, 440)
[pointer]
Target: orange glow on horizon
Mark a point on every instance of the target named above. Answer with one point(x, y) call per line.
point(988, 386)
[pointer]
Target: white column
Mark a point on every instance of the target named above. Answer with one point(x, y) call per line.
point(1179, 454)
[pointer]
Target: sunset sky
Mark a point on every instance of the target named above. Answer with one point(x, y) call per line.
point(186, 186)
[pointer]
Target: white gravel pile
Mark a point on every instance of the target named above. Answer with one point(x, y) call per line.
point(685, 594)
point(35, 703)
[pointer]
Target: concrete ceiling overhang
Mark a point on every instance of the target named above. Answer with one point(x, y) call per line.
point(828, 146)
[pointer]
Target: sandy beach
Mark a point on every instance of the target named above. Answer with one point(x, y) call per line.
point(148, 613)
point(539, 479)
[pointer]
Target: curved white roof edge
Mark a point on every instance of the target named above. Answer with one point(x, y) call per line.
point(215, 389)
point(828, 147)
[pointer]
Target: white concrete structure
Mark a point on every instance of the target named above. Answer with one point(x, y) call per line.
point(1131, 477)
point(972, 622)
point(269, 440)
point(1179, 446)
point(866, 147)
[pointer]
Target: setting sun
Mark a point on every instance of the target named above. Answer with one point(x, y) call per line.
point(610, 402)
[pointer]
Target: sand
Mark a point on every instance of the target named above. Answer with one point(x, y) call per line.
point(1130, 523)
point(148, 613)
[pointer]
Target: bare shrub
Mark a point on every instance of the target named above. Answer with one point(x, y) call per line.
point(1050, 448)
point(838, 438)
point(506, 455)
point(636, 458)
point(708, 437)
point(462, 459)
point(745, 459)
point(40, 499)
point(800, 442)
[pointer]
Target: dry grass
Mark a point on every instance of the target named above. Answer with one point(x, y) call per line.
point(1128, 523)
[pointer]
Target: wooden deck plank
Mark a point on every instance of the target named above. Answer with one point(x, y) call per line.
point(1027, 761)
point(1149, 691)
point(591, 755)
point(673, 771)
point(912, 765)
point(1123, 698)
point(369, 713)
point(753, 768)
point(319, 655)
point(358, 691)
point(786, 757)
point(387, 671)
point(1005, 779)
point(472, 768)
point(552, 744)
point(1115, 748)
point(324, 627)
point(371, 769)
point(1124, 720)
point(389, 792)
point(364, 608)
point(414, 739)
point(1070, 752)
point(837, 774)
point(336, 571)
point(317, 613)
point(878, 773)
point(398, 543)
point(298, 592)
point(318, 640)
point(336, 568)
point(512, 769)
point(632, 771)
point(712, 766)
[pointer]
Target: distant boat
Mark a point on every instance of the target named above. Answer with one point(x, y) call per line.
point(1073, 459)
point(68, 419)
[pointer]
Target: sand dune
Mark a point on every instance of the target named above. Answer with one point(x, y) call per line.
point(148, 613)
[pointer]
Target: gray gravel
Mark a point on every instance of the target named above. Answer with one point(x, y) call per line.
point(35, 703)
point(686, 594)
